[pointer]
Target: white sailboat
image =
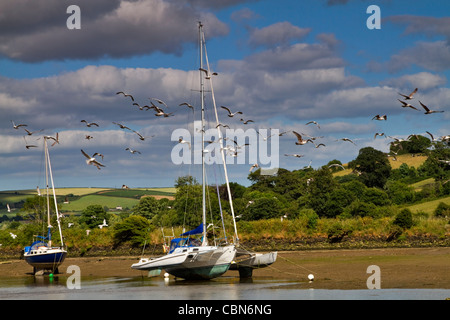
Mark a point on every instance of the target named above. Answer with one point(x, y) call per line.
point(41, 255)
point(187, 258)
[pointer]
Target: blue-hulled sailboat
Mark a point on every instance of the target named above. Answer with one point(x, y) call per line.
point(41, 254)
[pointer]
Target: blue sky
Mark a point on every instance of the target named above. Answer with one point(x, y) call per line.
point(283, 63)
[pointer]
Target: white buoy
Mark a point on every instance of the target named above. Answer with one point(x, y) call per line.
point(311, 277)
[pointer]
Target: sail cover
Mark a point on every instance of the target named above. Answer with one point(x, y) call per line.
point(197, 230)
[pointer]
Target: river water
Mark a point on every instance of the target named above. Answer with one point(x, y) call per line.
point(223, 288)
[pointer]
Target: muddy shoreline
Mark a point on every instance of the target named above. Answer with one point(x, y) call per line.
point(413, 268)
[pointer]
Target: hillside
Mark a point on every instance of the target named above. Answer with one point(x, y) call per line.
point(74, 200)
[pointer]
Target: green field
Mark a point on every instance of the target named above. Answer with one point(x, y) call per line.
point(429, 206)
point(80, 198)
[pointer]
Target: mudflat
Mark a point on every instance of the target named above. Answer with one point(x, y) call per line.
point(413, 268)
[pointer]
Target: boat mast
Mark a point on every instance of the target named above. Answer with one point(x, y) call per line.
point(222, 152)
point(54, 194)
point(49, 226)
point(202, 98)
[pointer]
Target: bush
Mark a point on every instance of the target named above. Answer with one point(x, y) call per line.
point(404, 219)
point(134, 229)
point(442, 210)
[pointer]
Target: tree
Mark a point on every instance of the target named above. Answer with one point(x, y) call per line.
point(148, 207)
point(134, 229)
point(404, 219)
point(373, 166)
point(93, 216)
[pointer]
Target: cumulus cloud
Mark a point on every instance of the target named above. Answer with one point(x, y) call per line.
point(108, 28)
point(281, 33)
point(434, 55)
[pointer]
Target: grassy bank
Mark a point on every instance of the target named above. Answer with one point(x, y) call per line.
point(274, 234)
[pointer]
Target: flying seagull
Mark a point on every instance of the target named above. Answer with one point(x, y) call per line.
point(184, 141)
point(31, 132)
point(56, 139)
point(294, 155)
point(17, 126)
point(246, 121)
point(122, 126)
point(314, 123)
point(347, 139)
point(407, 105)
point(89, 124)
point(336, 165)
point(126, 95)
point(208, 75)
point(300, 141)
point(410, 96)
point(92, 160)
point(253, 167)
point(230, 114)
point(159, 101)
point(378, 117)
point(187, 105)
point(428, 111)
point(133, 151)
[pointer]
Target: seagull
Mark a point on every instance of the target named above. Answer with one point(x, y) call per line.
point(294, 155)
point(208, 75)
point(141, 137)
point(139, 106)
point(223, 125)
point(103, 224)
point(125, 94)
point(31, 132)
point(7, 206)
point(347, 139)
point(184, 141)
point(56, 139)
point(17, 126)
point(428, 111)
point(91, 160)
point(300, 141)
point(432, 138)
point(13, 235)
point(379, 134)
point(314, 123)
point(407, 105)
point(230, 114)
point(122, 126)
point(70, 224)
point(159, 101)
point(410, 96)
point(378, 117)
point(253, 167)
point(162, 113)
point(88, 137)
point(187, 105)
point(89, 124)
point(246, 121)
point(336, 165)
point(318, 145)
point(133, 151)
point(266, 138)
point(28, 146)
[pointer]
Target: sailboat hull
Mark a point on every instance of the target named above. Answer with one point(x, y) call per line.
point(49, 259)
point(192, 263)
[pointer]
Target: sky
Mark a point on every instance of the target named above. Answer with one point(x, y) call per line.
point(281, 63)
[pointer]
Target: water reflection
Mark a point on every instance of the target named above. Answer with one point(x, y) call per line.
point(223, 288)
